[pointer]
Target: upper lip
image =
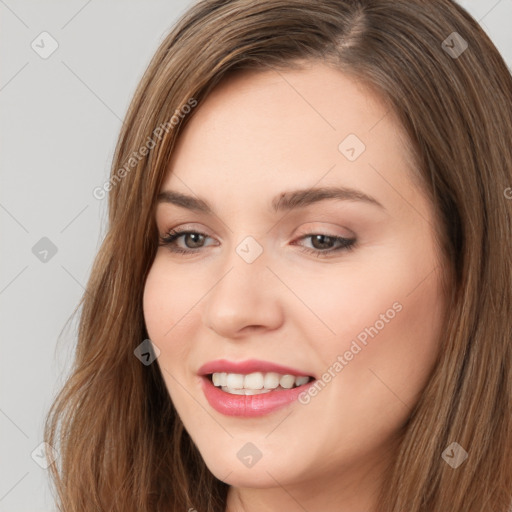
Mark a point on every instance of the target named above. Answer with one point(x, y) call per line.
point(248, 366)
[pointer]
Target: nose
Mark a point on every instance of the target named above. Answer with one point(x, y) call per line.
point(246, 296)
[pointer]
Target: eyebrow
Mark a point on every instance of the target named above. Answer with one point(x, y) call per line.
point(285, 201)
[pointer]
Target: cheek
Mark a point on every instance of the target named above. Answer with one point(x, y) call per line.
point(153, 304)
point(387, 298)
point(167, 298)
point(171, 307)
point(388, 324)
point(166, 301)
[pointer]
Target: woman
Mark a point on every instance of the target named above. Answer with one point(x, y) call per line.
point(304, 300)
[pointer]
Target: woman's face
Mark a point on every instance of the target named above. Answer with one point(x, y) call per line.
point(270, 281)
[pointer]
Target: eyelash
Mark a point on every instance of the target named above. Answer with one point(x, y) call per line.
point(347, 244)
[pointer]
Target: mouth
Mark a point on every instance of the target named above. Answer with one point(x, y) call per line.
point(255, 394)
point(256, 383)
point(252, 387)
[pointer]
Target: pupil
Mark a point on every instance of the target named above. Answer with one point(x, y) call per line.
point(193, 235)
point(321, 238)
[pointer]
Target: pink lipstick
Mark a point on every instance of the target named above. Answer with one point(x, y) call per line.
point(257, 403)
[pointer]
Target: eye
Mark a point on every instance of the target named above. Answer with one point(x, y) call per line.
point(322, 243)
point(319, 242)
point(173, 235)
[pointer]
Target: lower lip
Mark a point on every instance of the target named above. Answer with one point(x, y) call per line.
point(250, 405)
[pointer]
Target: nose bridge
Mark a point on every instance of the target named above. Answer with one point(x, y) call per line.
point(245, 273)
point(244, 294)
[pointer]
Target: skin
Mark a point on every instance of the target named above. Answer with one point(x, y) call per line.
point(257, 135)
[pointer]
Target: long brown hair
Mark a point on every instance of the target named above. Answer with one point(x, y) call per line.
point(122, 445)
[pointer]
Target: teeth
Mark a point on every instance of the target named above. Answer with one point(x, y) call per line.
point(256, 383)
point(287, 381)
point(299, 381)
point(245, 391)
point(271, 380)
point(250, 391)
point(253, 381)
point(235, 381)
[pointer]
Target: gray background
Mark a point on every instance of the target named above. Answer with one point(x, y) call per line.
point(60, 120)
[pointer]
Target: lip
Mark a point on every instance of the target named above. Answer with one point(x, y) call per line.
point(249, 366)
point(250, 406)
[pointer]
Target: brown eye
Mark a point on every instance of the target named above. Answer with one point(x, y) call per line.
point(322, 241)
point(196, 239)
point(193, 240)
point(323, 244)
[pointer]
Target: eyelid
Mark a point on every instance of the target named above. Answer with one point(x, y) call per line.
point(186, 228)
point(319, 227)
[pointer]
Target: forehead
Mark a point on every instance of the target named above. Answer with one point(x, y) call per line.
point(279, 129)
